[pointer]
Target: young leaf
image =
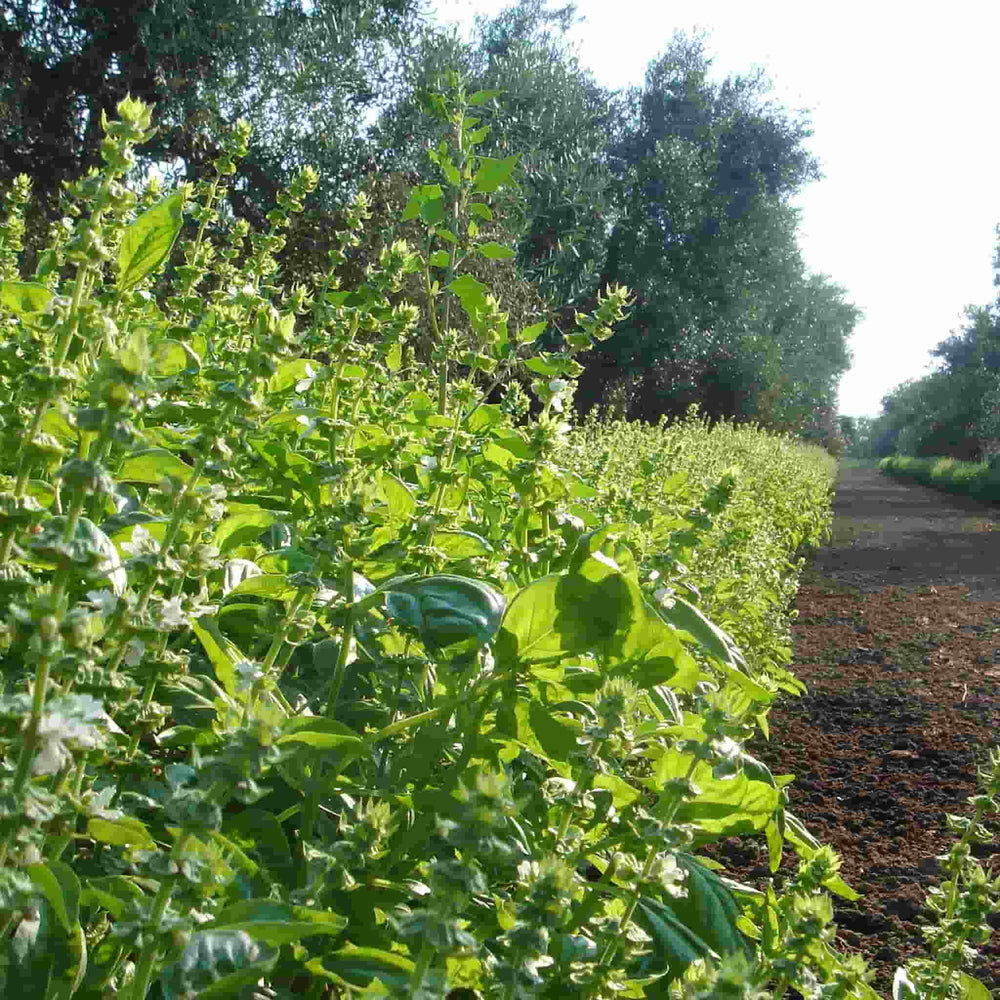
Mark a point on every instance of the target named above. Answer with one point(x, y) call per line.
point(241, 529)
point(89, 545)
point(553, 617)
point(708, 908)
point(419, 196)
point(394, 357)
point(483, 96)
point(224, 654)
point(542, 367)
point(359, 966)
point(147, 243)
point(269, 840)
point(461, 544)
point(493, 174)
point(495, 251)
point(121, 832)
point(277, 923)
point(61, 888)
point(713, 639)
point(531, 333)
point(151, 465)
point(169, 358)
point(674, 946)
point(555, 736)
point(24, 297)
point(432, 211)
point(972, 988)
point(471, 292)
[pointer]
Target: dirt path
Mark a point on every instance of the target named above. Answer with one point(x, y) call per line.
point(887, 532)
point(898, 640)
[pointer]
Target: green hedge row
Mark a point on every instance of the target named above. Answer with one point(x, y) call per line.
point(751, 503)
point(977, 479)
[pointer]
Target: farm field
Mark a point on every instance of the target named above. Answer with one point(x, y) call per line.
point(898, 641)
point(339, 657)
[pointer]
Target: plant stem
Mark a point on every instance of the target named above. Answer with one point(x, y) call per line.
point(272, 653)
point(337, 681)
point(420, 967)
point(608, 957)
point(150, 950)
point(943, 974)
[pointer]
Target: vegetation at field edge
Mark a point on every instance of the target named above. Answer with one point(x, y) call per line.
point(337, 659)
point(977, 479)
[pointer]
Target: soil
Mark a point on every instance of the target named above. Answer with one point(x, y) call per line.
point(898, 641)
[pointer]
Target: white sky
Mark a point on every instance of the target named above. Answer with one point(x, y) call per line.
point(906, 125)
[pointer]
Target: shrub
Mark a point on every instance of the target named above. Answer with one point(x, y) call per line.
point(319, 668)
point(978, 479)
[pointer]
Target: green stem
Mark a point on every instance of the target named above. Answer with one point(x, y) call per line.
point(337, 681)
point(420, 967)
point(54, 851)
point(612, 949)
point(62, 351)
point(335, 402)
point(31, 735)
point(546, 528)
point(450, 459)
point(29, 746)
point(943, 974)
point(583, 786)
point(150, 950)
point(396, 695)
point(168, 540)
point(272, 653)
point(310, 808)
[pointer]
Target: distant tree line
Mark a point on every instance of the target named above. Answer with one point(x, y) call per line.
point(954, 410)
point(680, 189)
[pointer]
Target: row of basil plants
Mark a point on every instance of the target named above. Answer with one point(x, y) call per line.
point(335, 662)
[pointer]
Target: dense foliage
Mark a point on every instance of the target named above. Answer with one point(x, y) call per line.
point(978, 479)
point(322, 673)
point(305, 75)
point(679, 189)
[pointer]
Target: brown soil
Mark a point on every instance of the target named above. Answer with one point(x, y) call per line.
point(898, 641)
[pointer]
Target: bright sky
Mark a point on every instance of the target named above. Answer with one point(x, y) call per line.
point(906, 126)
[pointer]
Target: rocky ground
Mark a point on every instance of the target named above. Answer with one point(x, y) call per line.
point(898, 641)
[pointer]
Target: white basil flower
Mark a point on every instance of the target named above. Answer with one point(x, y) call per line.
point(559, 387)
point(136, 648)
point(141, 543)
point(172, 614)
point(104, 601)
point(57, 734)
point(215, 511)
point(247, 674)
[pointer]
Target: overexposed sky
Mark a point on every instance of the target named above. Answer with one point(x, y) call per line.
point(906, 125)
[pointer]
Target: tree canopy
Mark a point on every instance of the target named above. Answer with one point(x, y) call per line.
point(954, 410)
point(680, 189)
point(704, 232)
point(304, 74)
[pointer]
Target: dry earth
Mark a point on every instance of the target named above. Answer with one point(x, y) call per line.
point(898, 641)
